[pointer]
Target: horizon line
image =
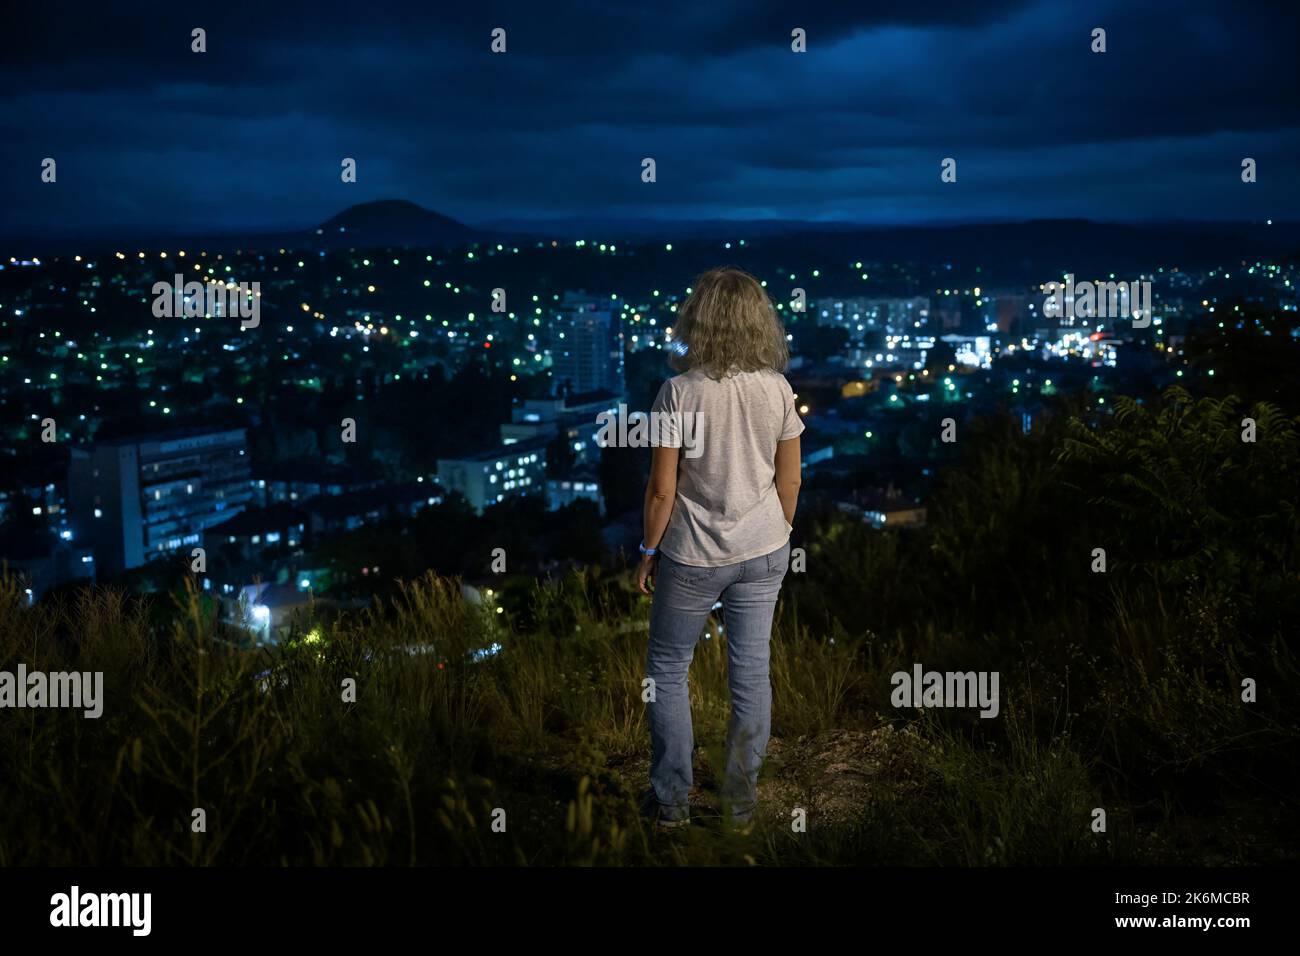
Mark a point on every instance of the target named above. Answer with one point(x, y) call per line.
point(508, 223)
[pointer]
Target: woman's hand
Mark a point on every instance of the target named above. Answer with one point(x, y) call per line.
point(645, 574)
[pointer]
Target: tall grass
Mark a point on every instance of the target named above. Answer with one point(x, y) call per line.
point(547, 737)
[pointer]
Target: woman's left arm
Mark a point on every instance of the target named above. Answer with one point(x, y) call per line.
point(660, 496)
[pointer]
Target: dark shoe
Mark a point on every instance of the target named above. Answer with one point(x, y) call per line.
point(648, 803)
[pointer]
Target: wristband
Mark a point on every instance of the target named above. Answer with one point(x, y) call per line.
point(648, 552)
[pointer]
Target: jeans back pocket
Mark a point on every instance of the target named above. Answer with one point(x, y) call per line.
point(687, 574)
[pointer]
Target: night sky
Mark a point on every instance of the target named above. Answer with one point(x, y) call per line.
point(151, 138)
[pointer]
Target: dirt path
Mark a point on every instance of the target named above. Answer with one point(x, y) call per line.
point(834, 776)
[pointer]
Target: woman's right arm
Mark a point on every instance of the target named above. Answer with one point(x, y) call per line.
point(788, 473)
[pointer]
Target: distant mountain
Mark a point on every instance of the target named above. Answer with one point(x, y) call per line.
point(386, 222)
point(1013, 250)
point(1010, 251)
point(394, 222)
point(1083, 246)
point(648, 229)
point(1024, 249)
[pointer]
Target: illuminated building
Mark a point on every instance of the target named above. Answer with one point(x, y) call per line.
point(137, 499)
point(587, 348)
point(506, 471)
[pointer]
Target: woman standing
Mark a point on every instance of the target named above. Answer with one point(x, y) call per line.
point(724, 482)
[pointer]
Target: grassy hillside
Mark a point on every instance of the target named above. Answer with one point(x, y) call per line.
point(1120, 690)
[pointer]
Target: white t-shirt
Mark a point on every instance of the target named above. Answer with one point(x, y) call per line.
point(727, 509)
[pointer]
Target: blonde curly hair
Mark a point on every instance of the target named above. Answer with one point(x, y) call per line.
point(726, 325)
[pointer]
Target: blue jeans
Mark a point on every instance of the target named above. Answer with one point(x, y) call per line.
point(683, 597)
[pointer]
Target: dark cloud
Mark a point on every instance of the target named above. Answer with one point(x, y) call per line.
point(150, 136)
